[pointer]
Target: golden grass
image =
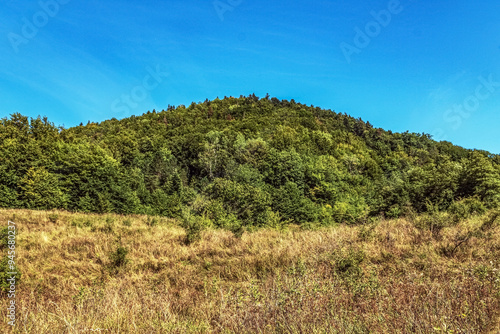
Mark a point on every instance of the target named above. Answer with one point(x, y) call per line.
point(389, 277)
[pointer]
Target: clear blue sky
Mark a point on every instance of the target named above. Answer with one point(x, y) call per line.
point(432, 66)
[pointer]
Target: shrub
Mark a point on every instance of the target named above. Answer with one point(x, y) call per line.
point(118, 258)
point(53, 217)
point(193, 225)
point(394, 212)
point(350, 211)
point(275, 221)
point(465, 208)
point(231, 223)
point(247, 203)
point(349, 264)
point(434, 220)
point(109, 225)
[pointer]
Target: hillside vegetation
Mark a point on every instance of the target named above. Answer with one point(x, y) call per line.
point(136, 274)
point(241, 163)
point(141, 225)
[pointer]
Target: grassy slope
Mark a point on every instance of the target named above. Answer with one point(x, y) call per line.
point(384, 278)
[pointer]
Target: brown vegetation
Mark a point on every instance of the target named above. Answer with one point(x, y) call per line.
point(136, 274)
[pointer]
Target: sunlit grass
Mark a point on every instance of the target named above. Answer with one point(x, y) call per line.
point(387, 277)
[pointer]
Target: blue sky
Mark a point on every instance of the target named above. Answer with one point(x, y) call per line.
point(430, 67)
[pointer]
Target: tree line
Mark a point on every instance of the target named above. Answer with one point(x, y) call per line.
point(240, 162)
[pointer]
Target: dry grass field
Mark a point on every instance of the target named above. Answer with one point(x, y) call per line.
point(135, 274)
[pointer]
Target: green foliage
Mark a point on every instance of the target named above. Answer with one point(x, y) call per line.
point(348, 263)
point(465, 208)
point(435, 220)
point(276, 221)
point(236, 227)
point(239, 163)
point(289, 200)
point(8, 196)
point(232, 201)
point(109, 225)
point(193, 225)
point(40, 190)
point(53, 217)
point(284, 166)
point(394, 212)
point(118, 258)
point(351, 210)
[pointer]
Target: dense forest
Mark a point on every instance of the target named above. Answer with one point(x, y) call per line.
point(241, 162)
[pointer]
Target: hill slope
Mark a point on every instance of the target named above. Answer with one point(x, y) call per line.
point(241, 162)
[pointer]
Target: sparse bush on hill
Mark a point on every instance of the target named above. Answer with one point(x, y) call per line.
point(118, 258)
point(348, 264)
point(193, 225)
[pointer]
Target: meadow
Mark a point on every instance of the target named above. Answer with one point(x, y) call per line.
point(108, 273)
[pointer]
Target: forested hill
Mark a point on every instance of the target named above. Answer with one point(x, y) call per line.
point(240, 162)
